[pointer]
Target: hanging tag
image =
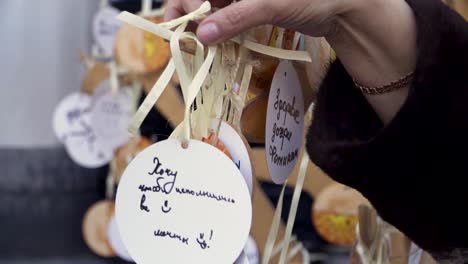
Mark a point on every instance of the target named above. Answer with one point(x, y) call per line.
point(285, 122)
point(105, 27)
point(72, 126)
point(115, 241)
point(177, 205)
point(111, 115)
point(237, 149)
point(68, 114)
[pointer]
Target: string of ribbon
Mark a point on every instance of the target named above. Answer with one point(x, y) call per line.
point(378, 250)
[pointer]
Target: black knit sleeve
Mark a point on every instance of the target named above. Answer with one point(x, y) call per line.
point(414, 170)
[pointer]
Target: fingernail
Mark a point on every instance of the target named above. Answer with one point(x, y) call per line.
point(208, 33)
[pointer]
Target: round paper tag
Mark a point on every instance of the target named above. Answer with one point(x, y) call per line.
point(178, 205)
point(69, 114)
point(111, 115)
point(105, 27)
point(236, 147)
point(72, 126)
point(115, 241)
point(285, 122)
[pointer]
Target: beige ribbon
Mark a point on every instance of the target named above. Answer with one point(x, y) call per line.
point(294, 203)
point(113, 77)
point(284, 245)
point(379, 251)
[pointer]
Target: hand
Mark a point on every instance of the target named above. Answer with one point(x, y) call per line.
point(374, 39)
point(311, 17)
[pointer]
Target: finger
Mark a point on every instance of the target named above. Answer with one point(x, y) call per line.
point(234, 19)
point(173, 10)
point(177, 8)
point(191, 5)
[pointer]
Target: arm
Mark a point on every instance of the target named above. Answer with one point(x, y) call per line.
point(376, 42)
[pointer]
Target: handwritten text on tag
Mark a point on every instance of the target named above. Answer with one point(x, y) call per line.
point(178, 205)
point(285, 122)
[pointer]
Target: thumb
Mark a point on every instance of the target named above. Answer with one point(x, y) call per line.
point(232, 20)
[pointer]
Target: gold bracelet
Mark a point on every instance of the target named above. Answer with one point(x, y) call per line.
point(401, 83)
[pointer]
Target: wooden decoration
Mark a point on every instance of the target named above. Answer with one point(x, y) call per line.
point(335, 213)
point(96, 74)
point(94, 228)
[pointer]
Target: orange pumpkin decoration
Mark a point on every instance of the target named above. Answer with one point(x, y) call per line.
point(141, 51)
point(335, 213)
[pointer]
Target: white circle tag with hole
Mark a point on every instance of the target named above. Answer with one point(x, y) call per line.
point(285, 122)
point(236, 147)
point(177, 205)
point(113, 236)
point(72, 126)
point(105, 27)
point(111, 115)
point(68, 113)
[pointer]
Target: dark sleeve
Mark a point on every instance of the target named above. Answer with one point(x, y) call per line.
point(414, 170)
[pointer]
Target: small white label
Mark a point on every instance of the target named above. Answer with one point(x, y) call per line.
point(68, 114)
point(111, 115)
point(105, 27)
point(285, 122)
point(113, 236)
point(177, 205)
point(236, 147)
point(72, 126)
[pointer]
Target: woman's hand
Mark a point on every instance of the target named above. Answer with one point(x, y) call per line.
point(311, 17)
point(374, 39)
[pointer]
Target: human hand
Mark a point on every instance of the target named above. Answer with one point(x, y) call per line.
point(311, 17)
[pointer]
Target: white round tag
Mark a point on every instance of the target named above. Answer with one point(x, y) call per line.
point(105, 27)
point(285, 122)
point(68, 114)
point(115, 241)
point(72, 126)
point(177, 205)
point(236, 147)
point(111, 115)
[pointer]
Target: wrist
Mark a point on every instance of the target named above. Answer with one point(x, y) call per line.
point(376, 42)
